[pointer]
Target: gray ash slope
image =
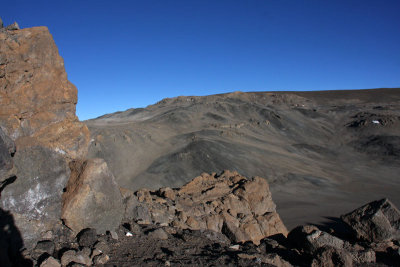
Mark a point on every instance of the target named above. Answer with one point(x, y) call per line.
point(323, 153)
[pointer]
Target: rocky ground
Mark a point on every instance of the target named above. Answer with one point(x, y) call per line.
point(368, 236)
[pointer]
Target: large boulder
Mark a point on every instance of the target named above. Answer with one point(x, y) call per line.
point(377, 221)
point(229, 203)
point(92, 198)
point(35, 196)
point(37, 102)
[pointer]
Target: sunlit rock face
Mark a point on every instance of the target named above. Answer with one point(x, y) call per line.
point(37, 102)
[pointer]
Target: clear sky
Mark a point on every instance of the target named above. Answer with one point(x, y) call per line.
point(129, 54)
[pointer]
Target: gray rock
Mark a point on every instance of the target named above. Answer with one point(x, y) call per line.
point(13, 27)
point(114, 235)
point(101, 247)
point(50, 262)
point(309, 239)
point(87, 237)
point(35, 196)
point(375, 222)
point(101, 259)
point(7, 149)
point(79, 257)
point(158, 234)
point(43, 247)
point(332, 257)
point(365, 256)
point(141, 214)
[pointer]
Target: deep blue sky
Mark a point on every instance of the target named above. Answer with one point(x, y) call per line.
point(124, 54)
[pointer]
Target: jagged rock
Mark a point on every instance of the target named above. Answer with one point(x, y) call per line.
point(309, 239)
point(7, 150)
point(35, 196)
point(42, 248)
point(72, 256)
point(375, 222)
point(332, 257)
point(50, 262)
point(1, 23)
point(87, 237)
point(240, 208)
point(101, 259)
point(37, 102)
point(92, 198)
point(13, 27)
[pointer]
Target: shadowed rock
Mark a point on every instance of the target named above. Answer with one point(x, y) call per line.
point(35, 196)
point(375, 222)
point(7, 150)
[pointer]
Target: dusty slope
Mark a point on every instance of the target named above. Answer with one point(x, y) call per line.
point(322, 152)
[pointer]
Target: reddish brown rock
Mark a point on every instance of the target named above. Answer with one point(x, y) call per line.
point(37, 102)
point(240, 208)
point(92, 198)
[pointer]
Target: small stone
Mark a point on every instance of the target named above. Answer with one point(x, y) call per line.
point(101, 259)
point(235, 247)
point(87, 237)
point(50, 262)
point(114, 235)
point(95, 252)
point(67, 257)
point(129, 234)
point(158, 234)
point(101, 246)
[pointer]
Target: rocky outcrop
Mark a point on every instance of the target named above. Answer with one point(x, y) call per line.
point(92, 198)
point(240, 208)
point(377, 221)
point(37, 114)
point(37, 100)
point(133, 244)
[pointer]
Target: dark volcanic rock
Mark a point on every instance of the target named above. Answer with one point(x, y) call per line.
point(7, 150)
point(87, 237)
point(35, 196)
point(309, 239)
point(375, 222)
point(332, 257)
point(92, 198)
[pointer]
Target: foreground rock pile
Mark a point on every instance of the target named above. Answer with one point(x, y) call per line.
point(231, 204)
point(150, 244)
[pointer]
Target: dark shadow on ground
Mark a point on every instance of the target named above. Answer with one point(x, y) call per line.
point(11, 243)
point(336, 227)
